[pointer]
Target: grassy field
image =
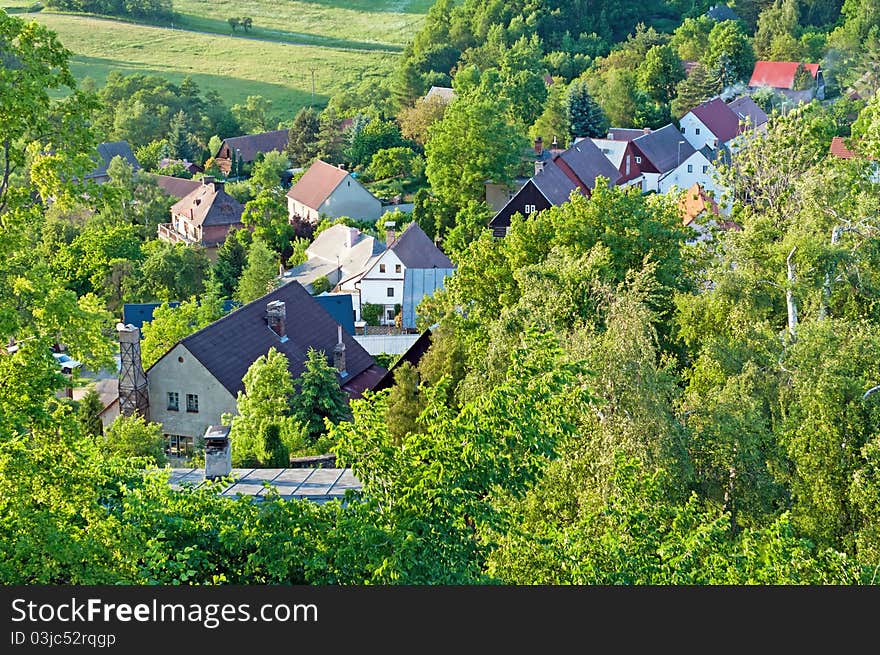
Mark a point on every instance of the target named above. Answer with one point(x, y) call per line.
point(235, 67)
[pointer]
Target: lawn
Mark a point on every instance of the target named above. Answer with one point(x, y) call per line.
point(356, 23)
point(234, 67)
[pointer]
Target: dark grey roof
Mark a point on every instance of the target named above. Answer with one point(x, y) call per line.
point(251, 145)
point(228, 346)
point(588, 162)
point(746, 108)
point(661, 147)
point(110, 149)
point(413, 355)
point(554, 184)
point(721, 13)
point(415, 249)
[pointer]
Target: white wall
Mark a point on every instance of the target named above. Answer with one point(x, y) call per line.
point(187, 376)
point(295, 208)
point(353, 200)
point(689, 126)
point(392, 344)
point(684, 179)
point(375, 284)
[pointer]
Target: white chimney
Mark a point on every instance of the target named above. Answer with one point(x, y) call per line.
point(218, 452)
point(339, 353)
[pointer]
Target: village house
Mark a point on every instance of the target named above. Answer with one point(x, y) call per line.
point(499, 194)
point(576, 169)
point(781, 76)
point(107, 151)
point(245, 149)
point(702, 214)
point(176, 187)
point(331, 191)
point(711, 123)
point(203, 217)
point(383, 279)
point(198, 380)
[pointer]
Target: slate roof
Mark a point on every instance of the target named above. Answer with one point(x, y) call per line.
point(587, 162)
point(228, 346)
point(251, 145)
point(778, 74)
point(413, 355)
point(316, 184)
point(443, 92)
point(209, 204)
point(721, 13)
point(339, 306)
point(554, 184)
point(415, 250)
point(613, 150)
point(746, 108)
point(721, 120)
point(110, 149)
point(626, 133)
point(661, 148)
point(177, 187)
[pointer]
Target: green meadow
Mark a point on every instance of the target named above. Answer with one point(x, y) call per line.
point(234, 67)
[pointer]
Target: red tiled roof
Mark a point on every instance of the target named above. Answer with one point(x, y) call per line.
point(694, 202)
point(719, 118)
point(839, 149)
point(316, 185)
point(778, 74)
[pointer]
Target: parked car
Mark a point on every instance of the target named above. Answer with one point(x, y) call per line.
point(66, 362)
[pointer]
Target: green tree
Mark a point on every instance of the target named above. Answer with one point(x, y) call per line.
point(170, 271)
point(553, 121)
point(583, 114)
point(133, 436)
point(391, 162)
point(415, 121)
point(231, 261)
point(171, 324)
point(660, 72)
point(148, 156)
point(405, 403)
point(179, 145)
point(318, 397)
point(260, 274)
point(728, 38)
point(267, 171)
point(265, 401)
point(253, 115)
point(302, 145)
point(87, 413)
point(698, 86)
point(470, 145)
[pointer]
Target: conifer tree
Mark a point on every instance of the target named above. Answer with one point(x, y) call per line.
point(584, 115)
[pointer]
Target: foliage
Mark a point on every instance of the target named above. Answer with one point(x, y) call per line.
point(150, 9)
point(231, 261)
point(133, 436)
point(302, 143)
point(415, 121)
point(169, 272)
point(319, 397)
point(87, 414)
point(260, 274)
point(253, 115)
point(320, 285)
point(730, 48)
point(172, 324)
point(371, 313)
point(583, 114)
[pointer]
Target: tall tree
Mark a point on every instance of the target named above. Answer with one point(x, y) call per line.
point(698, 86)
point(259, 277)
point(660, 72)
point(318, 396)
point(87, 414)
point(583, 114)
point(302, 144)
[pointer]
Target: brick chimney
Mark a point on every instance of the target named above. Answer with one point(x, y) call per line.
point(276, 315)
point(646, 130)
point(539, 146)
point(389, 232)
point(339, 353)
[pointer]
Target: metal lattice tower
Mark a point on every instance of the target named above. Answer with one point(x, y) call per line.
point(133, 393)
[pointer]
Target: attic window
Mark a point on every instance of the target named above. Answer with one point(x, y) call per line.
point(697, 130)
point(381, 268)
point(638, 160)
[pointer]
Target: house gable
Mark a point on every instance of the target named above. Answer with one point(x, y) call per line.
point(528, 200)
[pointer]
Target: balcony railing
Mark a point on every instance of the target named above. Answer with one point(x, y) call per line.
point(168, 233)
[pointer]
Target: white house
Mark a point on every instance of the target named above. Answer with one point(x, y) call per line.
point(711, 123)
point(382, 280)
point(327, 190)
point(698, 169)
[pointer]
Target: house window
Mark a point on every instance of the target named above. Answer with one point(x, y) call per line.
point(638, 160)
point(179, 446)
point(683, 129)
point(705, 169)
point(389, 314)
point(381, 268)
point(697, 131)
point(390, 292)
point(529, 209)
point(397, 268)
point(192, 402)
point(690, 168)
point(173, 401)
